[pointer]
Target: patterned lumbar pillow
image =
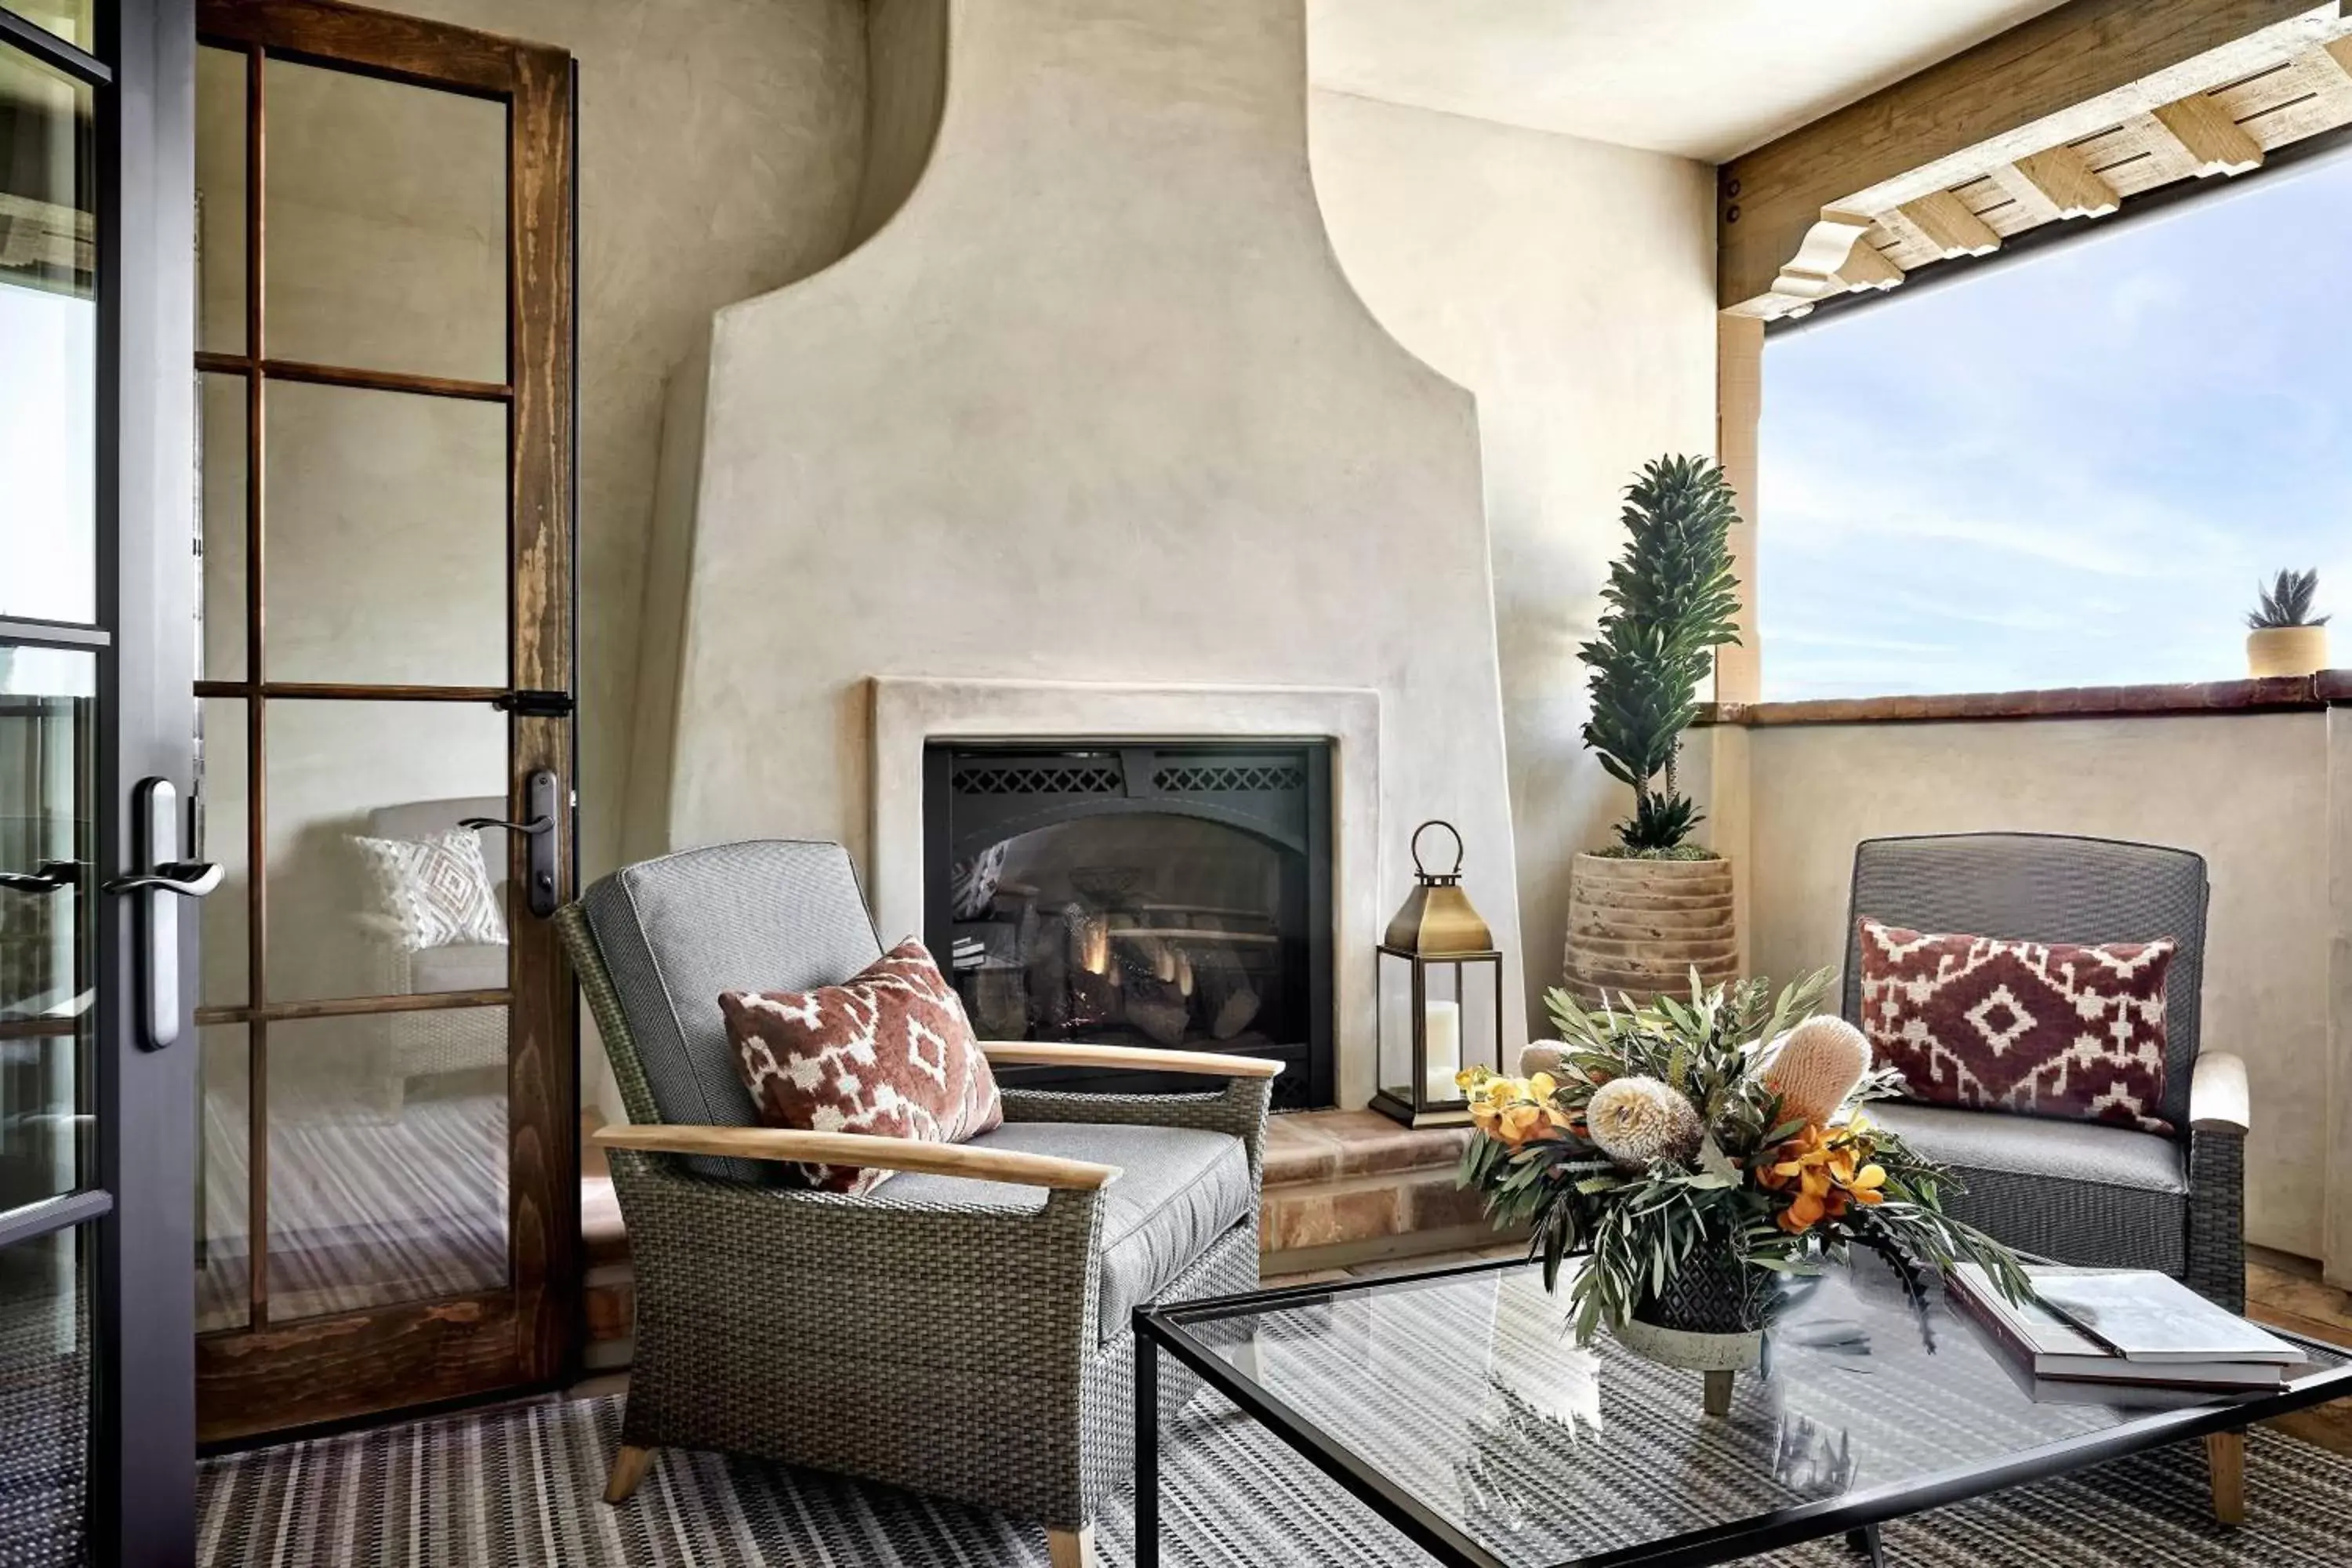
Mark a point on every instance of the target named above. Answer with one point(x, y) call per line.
point(887, 1052)
point(2037, 1029)
point(437, 888)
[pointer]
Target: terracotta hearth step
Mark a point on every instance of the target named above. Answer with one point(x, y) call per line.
point(608, 1296)
point(1344, 1187)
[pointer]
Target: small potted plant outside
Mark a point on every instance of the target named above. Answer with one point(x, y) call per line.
point(2286, 639)
point(1654, 906)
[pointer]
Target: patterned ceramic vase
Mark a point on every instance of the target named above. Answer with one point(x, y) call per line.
point(1714, 1293)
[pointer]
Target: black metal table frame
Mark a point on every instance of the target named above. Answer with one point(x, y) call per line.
point(1856, 1515)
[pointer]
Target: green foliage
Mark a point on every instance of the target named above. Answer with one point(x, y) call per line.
point(1673, 601)
point(2287, 602)
point(1633, 1228)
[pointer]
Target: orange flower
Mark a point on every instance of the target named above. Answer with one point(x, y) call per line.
point(1828, 1168)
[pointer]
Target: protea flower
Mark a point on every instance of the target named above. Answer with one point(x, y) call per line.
point(1634, 1120)
point(1817, 1066)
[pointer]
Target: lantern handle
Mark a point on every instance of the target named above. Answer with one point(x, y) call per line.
point(1455, 874)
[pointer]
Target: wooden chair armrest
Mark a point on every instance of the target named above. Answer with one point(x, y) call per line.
point(2218, 1100)
point(1138, 1058)
point(865, 1151)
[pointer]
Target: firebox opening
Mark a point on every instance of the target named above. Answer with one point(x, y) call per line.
point(1176, 896)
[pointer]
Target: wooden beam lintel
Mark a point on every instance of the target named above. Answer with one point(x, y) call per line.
point(2056, 79)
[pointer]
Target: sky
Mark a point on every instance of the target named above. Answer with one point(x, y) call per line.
point(2072, 469)
point(48, 454)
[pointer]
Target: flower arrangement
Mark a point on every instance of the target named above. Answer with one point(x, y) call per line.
point(1692, 1135)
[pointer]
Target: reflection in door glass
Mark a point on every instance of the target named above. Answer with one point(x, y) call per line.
point(46, 730)
point(387, 205)
point(387, 1171)
point(45, 1380)
point(49, 345)
point(71, 20)
point(374, 887)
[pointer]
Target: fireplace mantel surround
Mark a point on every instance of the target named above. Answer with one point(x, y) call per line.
point(907, 712)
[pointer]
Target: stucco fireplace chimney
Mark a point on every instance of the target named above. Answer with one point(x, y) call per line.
point(1095, 409)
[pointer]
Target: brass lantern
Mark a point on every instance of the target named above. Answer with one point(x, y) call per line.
point(1437, 950)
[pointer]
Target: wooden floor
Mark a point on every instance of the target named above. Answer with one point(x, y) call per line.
point(2287, 1293)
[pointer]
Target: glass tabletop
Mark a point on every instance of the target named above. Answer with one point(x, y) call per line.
point(1467, 1392)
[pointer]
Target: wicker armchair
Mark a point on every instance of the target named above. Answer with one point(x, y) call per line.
point(2078, 1192)
point(961, 1331)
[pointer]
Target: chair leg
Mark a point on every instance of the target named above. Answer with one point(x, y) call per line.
point(2225, 1464)
point(1071, 1548)
point(628, 1469)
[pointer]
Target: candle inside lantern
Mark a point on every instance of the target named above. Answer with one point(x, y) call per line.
point(1442, 1036)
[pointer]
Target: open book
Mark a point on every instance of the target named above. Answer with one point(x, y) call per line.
point(2127, 1325)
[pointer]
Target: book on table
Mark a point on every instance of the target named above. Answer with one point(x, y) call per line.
point(2125, 1325)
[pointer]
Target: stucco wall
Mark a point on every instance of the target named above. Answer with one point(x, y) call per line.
point(1571, 287)
point(1095, 404)
point(2248, 792)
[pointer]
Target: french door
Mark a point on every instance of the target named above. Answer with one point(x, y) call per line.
point(97, 1064)
point(387, 1116)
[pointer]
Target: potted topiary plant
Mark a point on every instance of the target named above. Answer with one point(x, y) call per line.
point(2286, 639)
point(1647, 910)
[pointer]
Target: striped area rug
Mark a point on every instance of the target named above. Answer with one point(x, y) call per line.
point(519, 1486)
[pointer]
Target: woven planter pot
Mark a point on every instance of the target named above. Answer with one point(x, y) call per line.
point(2287, 650)
point(1641, 926)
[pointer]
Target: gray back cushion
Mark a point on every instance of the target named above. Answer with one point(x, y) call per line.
point(2039, 886)
point(769, 914)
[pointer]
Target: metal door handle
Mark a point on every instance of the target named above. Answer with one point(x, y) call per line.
point(543, 825)
point(160, 884)
point(188, 879)
point(539, 839)
point(52, 875)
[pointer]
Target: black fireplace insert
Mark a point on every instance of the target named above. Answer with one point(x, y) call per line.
point(1175, 894)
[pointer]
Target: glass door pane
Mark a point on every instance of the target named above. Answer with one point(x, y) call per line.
point(48, 739)
point(46, 1393)
point(387, 238)
point(387, 1159)
point(49, 344)
point(384, 535)
point(72, 20)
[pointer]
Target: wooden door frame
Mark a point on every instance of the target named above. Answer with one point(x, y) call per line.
point(265, 1376)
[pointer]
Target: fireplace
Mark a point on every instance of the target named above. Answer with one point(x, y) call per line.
point(1174, 895)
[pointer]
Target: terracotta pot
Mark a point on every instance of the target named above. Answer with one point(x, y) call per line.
point(2287, 650)
point(1641, 926)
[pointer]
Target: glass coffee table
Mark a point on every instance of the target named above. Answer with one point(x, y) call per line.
point(1457, 1405)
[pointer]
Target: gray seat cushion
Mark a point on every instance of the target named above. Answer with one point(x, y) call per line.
point(1178, 1191)
point(2075, 1192)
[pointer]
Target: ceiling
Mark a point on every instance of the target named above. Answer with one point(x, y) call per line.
point(1703, 79)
